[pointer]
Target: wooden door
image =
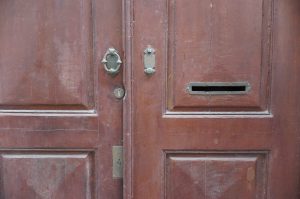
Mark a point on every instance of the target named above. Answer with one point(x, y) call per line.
point(220, 117)
point(58, 116)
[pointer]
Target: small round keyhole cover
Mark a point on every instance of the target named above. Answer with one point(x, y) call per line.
point(119, 92)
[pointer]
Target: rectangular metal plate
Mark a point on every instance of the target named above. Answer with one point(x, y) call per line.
point(117, 153)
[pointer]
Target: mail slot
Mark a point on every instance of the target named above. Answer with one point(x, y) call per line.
point(218, 88)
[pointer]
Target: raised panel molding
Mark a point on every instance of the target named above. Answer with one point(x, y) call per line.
point(215, 175)
point(43, 174)
point(222, 41)
point(46, 56)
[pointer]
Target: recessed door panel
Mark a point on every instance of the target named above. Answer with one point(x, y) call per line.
point(218, 42)
point(46, 54)
point(61, 175)
point(215, 175)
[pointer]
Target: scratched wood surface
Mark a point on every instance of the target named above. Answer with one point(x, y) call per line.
point(58, 116)
point(215, 147)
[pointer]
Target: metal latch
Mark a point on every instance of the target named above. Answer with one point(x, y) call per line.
point(117, 155)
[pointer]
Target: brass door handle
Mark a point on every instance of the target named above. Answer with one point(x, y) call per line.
point(112, 61)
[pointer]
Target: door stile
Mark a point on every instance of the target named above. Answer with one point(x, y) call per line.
point(127, 103)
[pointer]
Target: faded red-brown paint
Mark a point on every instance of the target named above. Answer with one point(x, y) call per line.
point(59, 118)
point(215, 146)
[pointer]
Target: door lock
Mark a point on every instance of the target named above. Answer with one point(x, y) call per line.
point(119, 92)
point(112, 61)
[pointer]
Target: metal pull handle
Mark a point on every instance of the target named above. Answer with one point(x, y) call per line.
point(149, 61)
point(112, 61)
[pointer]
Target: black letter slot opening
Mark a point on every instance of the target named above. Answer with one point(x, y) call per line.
point(218, 88)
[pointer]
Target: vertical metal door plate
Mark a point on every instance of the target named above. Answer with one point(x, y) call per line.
point(149, 61)
point(117, 153)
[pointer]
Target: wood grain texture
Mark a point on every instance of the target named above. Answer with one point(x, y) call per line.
point(47, 175)
point(153, 132)
point(215, 175)
point(46, 55)
point(218, 41)
point(56, 101)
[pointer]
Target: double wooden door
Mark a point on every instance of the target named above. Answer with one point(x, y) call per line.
point(211, 109)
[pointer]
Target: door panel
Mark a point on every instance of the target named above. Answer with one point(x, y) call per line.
point(215, 175)
point(58, 116)
point(217, 41)
point(47, 175)
point(46, 55)
point(215, 146)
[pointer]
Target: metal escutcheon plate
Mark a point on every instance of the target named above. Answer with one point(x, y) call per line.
point(149, 61)
point(119, 93)
point(112, 61)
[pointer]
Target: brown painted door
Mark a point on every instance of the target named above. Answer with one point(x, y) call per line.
point(220, 118)
point(58, 116)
